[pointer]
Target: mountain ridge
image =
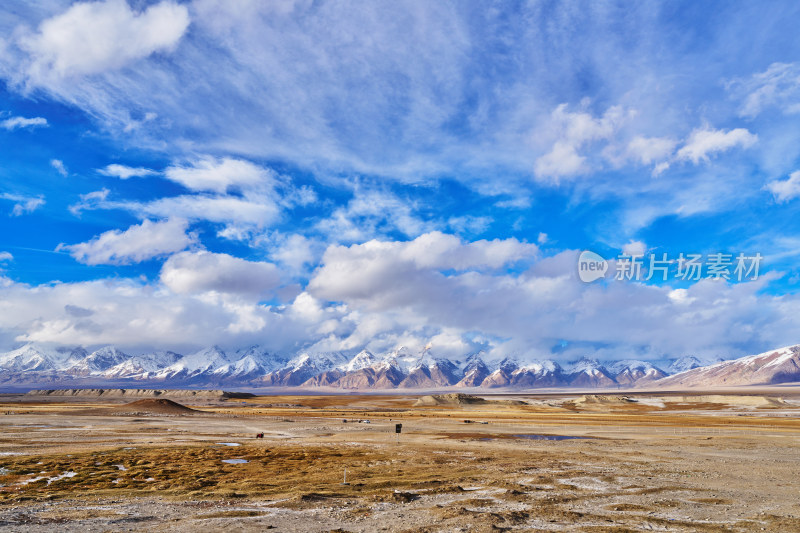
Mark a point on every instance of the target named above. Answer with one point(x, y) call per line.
point(401, 368)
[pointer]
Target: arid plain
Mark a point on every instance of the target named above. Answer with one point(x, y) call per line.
point(646, 461)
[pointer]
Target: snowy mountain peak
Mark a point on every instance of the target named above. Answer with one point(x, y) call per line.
point(35, 358)
point(586, 365)
point(631, 365)
point(542, 367)
point(362, 359)
point(255, 366)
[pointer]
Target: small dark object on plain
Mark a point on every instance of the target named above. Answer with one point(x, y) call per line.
point(398, 428)
point(404, 497)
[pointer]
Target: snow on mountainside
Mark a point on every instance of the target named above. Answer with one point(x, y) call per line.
point(475, 372)
point(768, 368)
point(98, 361)
point(302, 368)
point(688, 362)
point(363, 359)
point(400, 368)
point(628, 372)
point(203, 362)
point(589, 373)
point(36, 358)
point(139, 366)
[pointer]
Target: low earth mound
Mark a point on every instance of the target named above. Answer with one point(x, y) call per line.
point(160, 406)
point(603, 399)
point(730, 399)
point(139, 393)
point(455, 398)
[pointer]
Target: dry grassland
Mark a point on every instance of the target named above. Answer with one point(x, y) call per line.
point(663, 465)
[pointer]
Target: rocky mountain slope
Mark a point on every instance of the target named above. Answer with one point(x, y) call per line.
point(768, 368)
point(42, 367)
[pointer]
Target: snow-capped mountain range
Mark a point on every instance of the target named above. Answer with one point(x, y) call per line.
point(254, 367)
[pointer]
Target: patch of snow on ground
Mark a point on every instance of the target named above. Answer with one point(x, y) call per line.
point(65, 475)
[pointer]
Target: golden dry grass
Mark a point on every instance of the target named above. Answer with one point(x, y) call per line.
point(443, 473)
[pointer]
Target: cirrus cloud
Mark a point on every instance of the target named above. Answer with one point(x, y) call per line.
point(14, 123)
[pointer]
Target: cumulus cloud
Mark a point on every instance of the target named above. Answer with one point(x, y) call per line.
point(124, 172)
point(536, 308)
point(196, 272)
point(703, 142)
point(218, 175)
point(785, 190)
point(133, 315)
point(296, 251)
point(23, 204)
point(93, 37)
point(253, 211)
point(367, 271)
point(404, 293)
point(13, 123)
point(136, 244)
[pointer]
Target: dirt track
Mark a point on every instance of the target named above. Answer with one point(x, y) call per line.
point(667, 464)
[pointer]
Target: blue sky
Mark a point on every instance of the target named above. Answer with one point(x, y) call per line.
point(332, 176)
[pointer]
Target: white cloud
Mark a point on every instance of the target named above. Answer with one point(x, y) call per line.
point(785, 190)
point(660, 168)
point(470, 224)
point(197, 272)
point(634, 248)
point(261, 197)
point(93, 37)
point(705, 141)
point(6, 256)
point(59, 166)
point(402, 293)
point(647, 150)
point(124, 172)
point(23, 204)
point(134, 315)
point(371, 213)
point(778, 86)
point(563, 160)
point(364, 271)
point(136, 244)
point(574, 130)
point(535, 308)
point(296, 251)
point(542, 238)
point(255, 211)
point(249, 211)
point(218, 175)
point(13, 123)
